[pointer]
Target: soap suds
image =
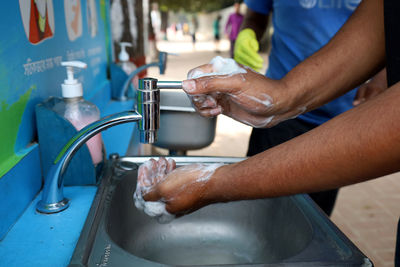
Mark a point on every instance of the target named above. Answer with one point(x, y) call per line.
point(221, 66)
point(257, 123)
point(152, 208)
point(207, 105)
point(153, 172)
point(265, 100)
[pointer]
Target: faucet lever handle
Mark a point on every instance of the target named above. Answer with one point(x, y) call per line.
point(169, 84)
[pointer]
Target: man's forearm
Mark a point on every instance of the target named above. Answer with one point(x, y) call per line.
point(354, 55)
point(256, 21)
point(358, 145)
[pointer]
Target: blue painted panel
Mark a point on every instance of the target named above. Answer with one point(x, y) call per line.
point(31, 68)
point(47, 240)
point(17, 189)
point(116, 139)
point(30, 57)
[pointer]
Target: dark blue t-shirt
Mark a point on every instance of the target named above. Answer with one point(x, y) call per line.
point(301, 27)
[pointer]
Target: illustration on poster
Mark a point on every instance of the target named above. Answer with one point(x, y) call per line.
point(73, 18)
point(38, 19)
point(92, 17)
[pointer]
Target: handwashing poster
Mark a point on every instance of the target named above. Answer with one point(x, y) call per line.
point(73, 18)
point(37, 36)
point(38, 19)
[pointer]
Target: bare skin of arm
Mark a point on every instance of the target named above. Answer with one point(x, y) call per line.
point(361, 144)
point(371, 88)
point(355, 54)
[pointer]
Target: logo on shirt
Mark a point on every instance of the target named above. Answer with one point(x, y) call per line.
point(308, 3)
point(329, 4)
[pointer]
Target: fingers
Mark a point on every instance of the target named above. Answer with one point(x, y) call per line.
point(171, 165)
point(254, 46)
point(204, 101)
point(243, 59)
point(146, 173)
point(213, 84)
point(196, 72)
point(246, 53)
point(211, 112)
point(152, 195)
point(162, 168)
point(151, 173)
point(206, 105)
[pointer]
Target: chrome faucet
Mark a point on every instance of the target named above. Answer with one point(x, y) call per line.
point(147, 116)
point(161, 64)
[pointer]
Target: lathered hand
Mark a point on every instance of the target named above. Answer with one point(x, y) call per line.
point(247, 96)
point(183, 189)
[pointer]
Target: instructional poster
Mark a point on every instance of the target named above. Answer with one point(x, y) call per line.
point(37, 36)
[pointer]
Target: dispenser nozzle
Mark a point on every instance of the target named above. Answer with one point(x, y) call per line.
point(123, 55)
point(71, 87)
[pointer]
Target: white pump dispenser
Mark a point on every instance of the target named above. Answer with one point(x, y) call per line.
point(71, 87)
point(123, 55)
point(77, 110)
point(127, 66)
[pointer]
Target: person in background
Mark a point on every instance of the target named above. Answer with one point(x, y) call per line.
point(193, 26)
point(233, 25)
point(216, 32)
point(296, 36)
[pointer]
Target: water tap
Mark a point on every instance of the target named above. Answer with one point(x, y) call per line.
point(148, 118)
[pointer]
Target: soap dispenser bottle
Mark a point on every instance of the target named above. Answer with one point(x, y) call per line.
point(127, 66)
point(77, 110)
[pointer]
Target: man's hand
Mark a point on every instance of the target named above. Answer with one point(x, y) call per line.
point(372, 88)
point(246, 50)
point(248, 97)
point(183, 189)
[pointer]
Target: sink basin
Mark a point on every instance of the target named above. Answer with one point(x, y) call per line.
point(289, 231)
point(181, 128)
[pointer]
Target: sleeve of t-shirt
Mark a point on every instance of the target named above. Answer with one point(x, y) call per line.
point(260, 6)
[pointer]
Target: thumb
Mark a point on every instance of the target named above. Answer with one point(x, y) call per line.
point(212, 84)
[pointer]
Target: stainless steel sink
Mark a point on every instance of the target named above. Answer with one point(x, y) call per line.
point(286, 231)
point(181, 127)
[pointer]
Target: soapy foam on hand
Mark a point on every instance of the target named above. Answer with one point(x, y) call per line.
point(156, 172)
point(159, 173)
point(221, 66)
point(152, 208)
point(228, 67)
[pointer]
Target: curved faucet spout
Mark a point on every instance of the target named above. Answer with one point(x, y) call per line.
point(52, 197)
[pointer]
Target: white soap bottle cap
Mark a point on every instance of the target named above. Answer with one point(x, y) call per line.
point(71, 87)
point(123, 55)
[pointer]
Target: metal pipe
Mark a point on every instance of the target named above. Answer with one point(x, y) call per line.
point(52, 196)
point(169, 84)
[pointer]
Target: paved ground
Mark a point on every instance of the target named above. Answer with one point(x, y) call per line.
point(367, 213)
